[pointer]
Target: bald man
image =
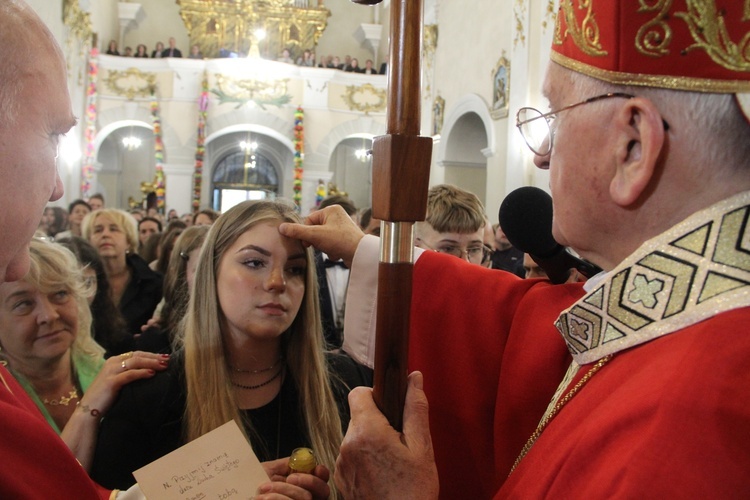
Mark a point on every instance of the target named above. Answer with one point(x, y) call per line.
point(36, 111)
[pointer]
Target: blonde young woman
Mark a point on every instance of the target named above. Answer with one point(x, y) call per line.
point(253, 353)
point(135, 289)
point(46, 343)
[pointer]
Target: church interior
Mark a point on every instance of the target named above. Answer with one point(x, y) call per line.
point(239, 122)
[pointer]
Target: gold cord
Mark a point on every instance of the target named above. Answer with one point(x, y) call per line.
point(563, 401)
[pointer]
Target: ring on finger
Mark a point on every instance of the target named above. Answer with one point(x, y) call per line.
point(124, 368)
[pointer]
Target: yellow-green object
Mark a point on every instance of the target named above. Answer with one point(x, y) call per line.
point(302, 460)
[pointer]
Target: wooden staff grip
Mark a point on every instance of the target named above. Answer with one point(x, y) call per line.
point(392, 340)
point(400, 176)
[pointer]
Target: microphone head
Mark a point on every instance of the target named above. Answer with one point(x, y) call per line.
point(526, 219)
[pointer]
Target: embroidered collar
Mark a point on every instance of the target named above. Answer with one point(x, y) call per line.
point(697, 269)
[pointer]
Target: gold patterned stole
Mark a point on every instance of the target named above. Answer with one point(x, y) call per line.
point(697, 269)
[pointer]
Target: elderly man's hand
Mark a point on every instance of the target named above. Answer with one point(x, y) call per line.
point(379, 463)
point(330, 230)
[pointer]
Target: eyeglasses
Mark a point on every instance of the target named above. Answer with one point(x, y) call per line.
point(474, 254)
point(539, 134)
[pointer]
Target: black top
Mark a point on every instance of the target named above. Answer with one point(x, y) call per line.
point(510, 259)
point(143, 294)
point(146, 421)
point(171, 52)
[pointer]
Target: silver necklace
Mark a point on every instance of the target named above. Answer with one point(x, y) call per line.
point(262, 370)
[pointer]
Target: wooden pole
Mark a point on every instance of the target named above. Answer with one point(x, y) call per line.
point(401, 171)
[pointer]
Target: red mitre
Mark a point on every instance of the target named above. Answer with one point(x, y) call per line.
point(701, 46)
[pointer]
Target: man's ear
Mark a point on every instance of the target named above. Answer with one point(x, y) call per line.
point(642, 136)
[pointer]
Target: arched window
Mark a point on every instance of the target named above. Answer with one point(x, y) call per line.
point(243, 175)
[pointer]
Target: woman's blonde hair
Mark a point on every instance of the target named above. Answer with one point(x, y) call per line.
point(53, 267)
point(210, 398)
point(124, 220)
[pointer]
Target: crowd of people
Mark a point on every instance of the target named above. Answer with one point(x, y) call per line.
point(630, 385)
point(306, 58)
point(159, 52)
point(348, 64)
point(132, 274)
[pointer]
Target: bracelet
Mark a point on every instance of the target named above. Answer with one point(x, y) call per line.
point(92, 411)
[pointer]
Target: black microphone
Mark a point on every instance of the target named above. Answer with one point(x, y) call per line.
point(526, 219)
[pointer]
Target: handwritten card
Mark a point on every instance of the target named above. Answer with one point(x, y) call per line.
point(217, 465)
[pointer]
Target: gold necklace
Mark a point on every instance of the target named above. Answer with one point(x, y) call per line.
point(64, 400)
point(258, 386)
point(558, 406)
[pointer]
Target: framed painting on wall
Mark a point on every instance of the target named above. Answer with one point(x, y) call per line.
point(500, 88)
point(438, 112)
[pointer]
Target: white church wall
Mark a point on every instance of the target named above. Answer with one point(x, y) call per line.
point(469, 45)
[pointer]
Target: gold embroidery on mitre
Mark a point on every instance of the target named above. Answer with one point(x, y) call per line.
point(746, 11)
point(655, 36)
point(697, 269)
point(586, 37)
point(710, 33)
point(647, 80)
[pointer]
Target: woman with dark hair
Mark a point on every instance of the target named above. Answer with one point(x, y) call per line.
point(141, 51)
point(108, 327)
point(162, 332)
point(112, 49)
point(77, 211)
point(56, 220)
point(205, 217)
point(166, 244)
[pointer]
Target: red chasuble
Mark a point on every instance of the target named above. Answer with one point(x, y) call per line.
point(668, 415)
point(491, 358)
point(667, 419)
point(37, 463)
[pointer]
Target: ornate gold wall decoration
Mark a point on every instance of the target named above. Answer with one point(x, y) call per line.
point(519, 13)
point(429, 47)
point(80, 33)
point(230, 25)
point(131, 83)
point(365, 98)
point(77, 21)
point(261, 92)
point(430, 42)
point(549, 14)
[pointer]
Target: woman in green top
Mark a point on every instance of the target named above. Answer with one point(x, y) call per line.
point(46, 343)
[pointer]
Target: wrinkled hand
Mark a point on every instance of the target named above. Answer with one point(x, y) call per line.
point(330, 230)
point(296, 486)
point(376, 462)
point(112, 377)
